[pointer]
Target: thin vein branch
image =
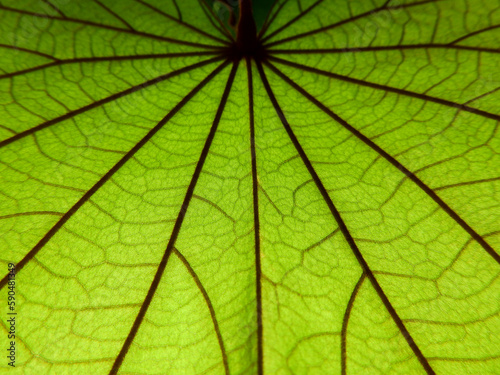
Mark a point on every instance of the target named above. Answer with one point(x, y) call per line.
point(29, 51)
point(343, 228)
point(431, 193)
point(179, 13)
point(474, 33)
point(178, 224)
point(466, 183)
point(54, 7)
point(209, 305)
point(345, 322)
point(32, 213)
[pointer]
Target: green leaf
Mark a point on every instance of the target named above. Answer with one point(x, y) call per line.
point(319, 197)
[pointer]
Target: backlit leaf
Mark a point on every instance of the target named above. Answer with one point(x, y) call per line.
point(319, 196)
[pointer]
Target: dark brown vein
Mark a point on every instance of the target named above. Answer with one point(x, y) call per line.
point(54, 7)
point(401, 47)
point(45, 239)
point(292, 21)
point(343, 228)
point(483, 95)
point(28, 51)
point(109, 27)
point(256, 221)
point(108, 58)
point(431, 193)
point(108, 99)
point(348, 20)
point(33, 213)
point(377, 86)
point(271, 201)
point(179, 13)
point(475, 33)
point(345, 322)
point(209, 305)
point(180, 22)
point(119, 18)
point(467, 183)
point(178, 222)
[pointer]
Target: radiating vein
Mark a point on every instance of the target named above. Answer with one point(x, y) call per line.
point(384, 7)
point(343, 228)
point(209, 305)
point(345, 322)
point(109, 27)
point(108, 58)
point(431, 193)
point(395, 90)
point(401, 47)
point(256, 220)
point(108, 99)
point(52, 232)
point(292, 21)
point(178, 223)
point(180, 22)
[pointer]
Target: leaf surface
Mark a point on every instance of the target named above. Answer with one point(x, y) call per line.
point(326, 202)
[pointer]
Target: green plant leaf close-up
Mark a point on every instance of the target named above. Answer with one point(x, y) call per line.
point(227, 187)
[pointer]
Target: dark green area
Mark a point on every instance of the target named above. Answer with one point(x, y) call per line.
point(260, 10)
